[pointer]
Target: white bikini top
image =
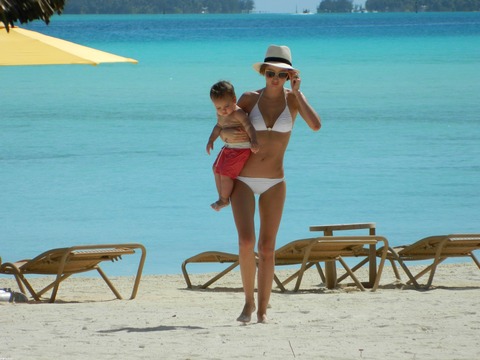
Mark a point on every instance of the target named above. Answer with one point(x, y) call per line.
point(284, 122)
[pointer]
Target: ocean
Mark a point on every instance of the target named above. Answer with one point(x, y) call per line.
point(116, 152)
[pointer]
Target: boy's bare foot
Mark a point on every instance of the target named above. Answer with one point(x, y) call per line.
point(246, 315)
point(220, 204)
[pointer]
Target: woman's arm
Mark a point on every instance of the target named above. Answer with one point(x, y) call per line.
point(304, 109)
point(246, 102)
point(234, 135)
point(243, 119)
point(307, 112)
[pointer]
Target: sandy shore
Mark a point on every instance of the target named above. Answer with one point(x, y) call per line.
point(167, 321)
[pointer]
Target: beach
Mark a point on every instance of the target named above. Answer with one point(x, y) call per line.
point(169, 321)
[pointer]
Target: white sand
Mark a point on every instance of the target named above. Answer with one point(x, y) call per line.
point(167, 321)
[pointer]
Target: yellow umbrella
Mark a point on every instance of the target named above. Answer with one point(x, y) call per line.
point(25, 47)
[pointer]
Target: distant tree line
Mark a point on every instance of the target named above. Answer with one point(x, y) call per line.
point(342, 6)
point(335, 6)
point(422, 5)
point(157, 6)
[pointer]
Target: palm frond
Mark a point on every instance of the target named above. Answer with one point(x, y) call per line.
point(24, 11)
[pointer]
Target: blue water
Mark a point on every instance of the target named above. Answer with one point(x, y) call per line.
point(116, 153)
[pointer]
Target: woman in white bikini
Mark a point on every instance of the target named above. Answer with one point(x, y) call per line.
point(272, 111)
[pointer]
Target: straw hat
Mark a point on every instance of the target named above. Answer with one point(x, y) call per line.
point(278, 56)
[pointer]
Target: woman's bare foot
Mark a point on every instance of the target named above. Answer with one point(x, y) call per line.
point(262, 319)
point(220, 204)
point(246, 315)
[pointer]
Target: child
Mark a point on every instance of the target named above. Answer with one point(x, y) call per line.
point(233, 155)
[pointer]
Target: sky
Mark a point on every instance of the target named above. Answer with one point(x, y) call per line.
point(291, 6)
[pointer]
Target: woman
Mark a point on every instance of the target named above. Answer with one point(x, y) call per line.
point(272, 111)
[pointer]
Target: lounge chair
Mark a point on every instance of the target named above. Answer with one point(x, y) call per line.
point(310, 252)
point(64, 262)
point(437, 248)
point(211, 257)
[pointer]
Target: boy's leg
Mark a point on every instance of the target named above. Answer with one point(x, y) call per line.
point(218, 183)
point(226, 187)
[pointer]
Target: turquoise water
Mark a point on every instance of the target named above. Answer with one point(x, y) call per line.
point(116, 153)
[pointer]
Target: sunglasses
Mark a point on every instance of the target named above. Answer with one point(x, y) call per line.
point(271, 74)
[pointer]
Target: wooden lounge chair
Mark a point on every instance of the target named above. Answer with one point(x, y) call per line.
point(436, 248)
point(310, 252)
point(65, 262)
point(211, 257)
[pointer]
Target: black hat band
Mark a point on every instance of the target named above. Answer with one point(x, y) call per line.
point(277, 59)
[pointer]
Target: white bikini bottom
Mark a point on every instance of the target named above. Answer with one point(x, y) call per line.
point(259, 185)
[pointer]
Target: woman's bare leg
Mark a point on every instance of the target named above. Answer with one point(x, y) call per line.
point(271, 205)
point(243, 207)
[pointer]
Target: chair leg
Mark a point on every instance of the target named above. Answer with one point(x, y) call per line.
point(218, 276)
point(299, 279)
point(475, 260)
point(32, 292)
point(303, 268)
point(53, 284)
point(435, 263)
point(320, 272)
point(355, 268)
point(212, 280)
point(21, 280)
point(395, 270)
point(430, 268)
point(109, 283)
point(381, 265)
point(350, 272)
point(19, 283)
point(295, 274)
point(279, 283)
point(138, 277)
point(405, 268)
point(185, 275)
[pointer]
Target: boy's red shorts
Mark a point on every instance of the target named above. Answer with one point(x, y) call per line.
point(230, 161)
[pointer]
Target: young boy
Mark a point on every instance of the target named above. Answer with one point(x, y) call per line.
point(233, 155)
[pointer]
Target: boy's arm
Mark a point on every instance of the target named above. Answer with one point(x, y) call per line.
point(213, 136)
point(250, 130)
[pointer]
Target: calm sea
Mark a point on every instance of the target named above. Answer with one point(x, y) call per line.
point(116, 153)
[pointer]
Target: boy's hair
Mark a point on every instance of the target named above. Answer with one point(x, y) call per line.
point(222, 89)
